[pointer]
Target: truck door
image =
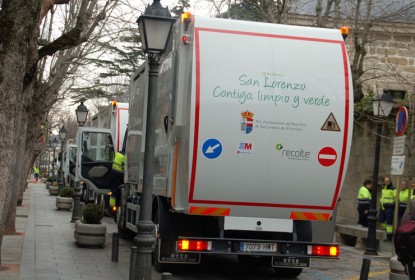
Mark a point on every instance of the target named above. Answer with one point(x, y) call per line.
point(95, 149)
point(69, 164)
point(72, 160)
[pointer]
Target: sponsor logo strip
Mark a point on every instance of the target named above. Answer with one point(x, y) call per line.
point(210, 211)
point(310, 216)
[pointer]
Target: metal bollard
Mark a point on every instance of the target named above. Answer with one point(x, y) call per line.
point(166, 276)
point(133, 261)
point(364, 273)
point(115, 246)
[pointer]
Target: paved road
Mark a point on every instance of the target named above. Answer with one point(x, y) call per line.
point(45, 249)
point(225, 268)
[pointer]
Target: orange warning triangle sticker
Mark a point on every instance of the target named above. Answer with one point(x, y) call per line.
point(331, 124)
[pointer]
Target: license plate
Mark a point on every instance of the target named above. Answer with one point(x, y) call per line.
point(290, 262)
point(258, 247)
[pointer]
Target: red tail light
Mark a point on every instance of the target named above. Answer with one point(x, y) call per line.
point(193, 245)
point(324, 251)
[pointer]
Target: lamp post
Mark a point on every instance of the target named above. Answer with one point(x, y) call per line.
point(54, 145)
point(155, 26)
point(81, 115)
point(381, 108)
point(62, 136)
point(49, 146)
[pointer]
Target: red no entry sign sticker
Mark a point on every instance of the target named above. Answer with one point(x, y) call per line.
point(327, 156)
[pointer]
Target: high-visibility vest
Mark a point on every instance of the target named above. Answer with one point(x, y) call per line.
point(388, 197)
point(118, 164)
point(364, 196)
point(35, 170)
point(403, 198)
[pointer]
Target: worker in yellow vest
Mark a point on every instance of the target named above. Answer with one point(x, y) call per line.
point(117, 177)
point(36, 173)
point(404, 196)
point(387, 206)
point(364, 198)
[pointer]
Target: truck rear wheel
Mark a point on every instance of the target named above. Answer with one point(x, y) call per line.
point(288, 272)
point(120, 219)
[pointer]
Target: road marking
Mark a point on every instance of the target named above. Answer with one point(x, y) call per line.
point(371, 274)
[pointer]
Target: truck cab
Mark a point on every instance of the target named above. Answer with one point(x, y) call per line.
point(96, 148)
point(69, 163)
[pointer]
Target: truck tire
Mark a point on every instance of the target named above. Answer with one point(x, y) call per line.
point(288, 272)
point(124, 232)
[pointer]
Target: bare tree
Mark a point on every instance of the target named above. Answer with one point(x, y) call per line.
point(26, 93)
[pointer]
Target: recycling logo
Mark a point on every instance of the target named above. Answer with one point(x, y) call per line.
point(279, 147)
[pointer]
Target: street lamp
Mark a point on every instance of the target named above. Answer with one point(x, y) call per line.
point(54, 145)
point(62, 136)
point(81, 114)
point(155, 26)
point(49, 147)
point(381, 108)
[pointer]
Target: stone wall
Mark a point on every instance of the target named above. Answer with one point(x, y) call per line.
point(390, 65)
point(361, 165)
point(390, 62)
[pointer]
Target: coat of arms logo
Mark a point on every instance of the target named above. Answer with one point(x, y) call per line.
point(247, 122)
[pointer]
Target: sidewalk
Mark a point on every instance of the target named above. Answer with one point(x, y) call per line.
point(45, 247)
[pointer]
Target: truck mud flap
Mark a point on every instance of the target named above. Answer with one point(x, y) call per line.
point(167, 253)
point(290, 262)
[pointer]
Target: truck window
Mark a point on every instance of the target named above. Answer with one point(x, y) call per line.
point(98, 146)
point(72, 154)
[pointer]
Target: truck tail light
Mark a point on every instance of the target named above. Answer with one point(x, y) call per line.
point(187, 39)
point(324, 250)
point(193, 245)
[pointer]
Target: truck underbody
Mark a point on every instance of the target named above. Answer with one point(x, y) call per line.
point(185, 239)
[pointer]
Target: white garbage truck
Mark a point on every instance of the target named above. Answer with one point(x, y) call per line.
point(253, 134)
point(69, 161)
point(97, 144)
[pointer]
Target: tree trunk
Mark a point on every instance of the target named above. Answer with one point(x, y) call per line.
point(15, 30)
point(21, 193)
point(22, 167)
point(10, 224)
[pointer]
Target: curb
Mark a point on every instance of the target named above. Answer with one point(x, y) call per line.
point(12, 245)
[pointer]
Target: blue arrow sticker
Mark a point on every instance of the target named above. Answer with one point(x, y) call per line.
point(212, 148)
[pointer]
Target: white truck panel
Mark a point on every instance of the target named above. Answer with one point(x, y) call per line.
point(258, 224)
point(115, 119)
point(294, 86)
point(122, 124)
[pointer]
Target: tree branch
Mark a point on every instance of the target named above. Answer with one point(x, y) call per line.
point(74, 37)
